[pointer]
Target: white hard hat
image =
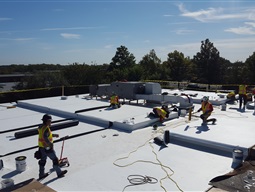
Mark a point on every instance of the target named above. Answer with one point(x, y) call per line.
point(205, 98)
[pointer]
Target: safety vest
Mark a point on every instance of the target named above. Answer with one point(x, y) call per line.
point(41, 141)
point(161, 112)
point(114, 99)
point(242, 89)
point(206, 107)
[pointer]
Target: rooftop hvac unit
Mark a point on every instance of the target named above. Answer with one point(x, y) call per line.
point(128, 90)
point(100, 90)
point(93, 90)
point(152, 88)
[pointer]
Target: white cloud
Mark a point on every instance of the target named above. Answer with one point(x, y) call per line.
point(242, 30)
point(5, 19)
point(183, 31)
point(68, 28)
point(58, 10)
point(23, 39)
point(215, 14)
point(108, 46)
point(250, 23)
point(70, 36)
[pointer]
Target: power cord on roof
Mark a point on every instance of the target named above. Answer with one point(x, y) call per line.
point(140, 180)
point(163, 167)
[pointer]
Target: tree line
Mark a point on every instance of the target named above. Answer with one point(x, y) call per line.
point(207, 67)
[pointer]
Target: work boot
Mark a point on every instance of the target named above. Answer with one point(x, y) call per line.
point(214, 121)
point(204, 123)
point(41, 176)
point(62, 174)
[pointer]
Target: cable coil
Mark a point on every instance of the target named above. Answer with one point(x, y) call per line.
point(139, 179)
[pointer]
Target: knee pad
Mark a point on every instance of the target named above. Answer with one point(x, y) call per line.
point(55, 162)
point(42, 162)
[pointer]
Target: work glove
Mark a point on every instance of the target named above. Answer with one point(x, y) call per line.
point(55, 135)
point(50, 147)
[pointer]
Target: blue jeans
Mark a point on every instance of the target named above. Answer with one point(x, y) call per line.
point(42, 162)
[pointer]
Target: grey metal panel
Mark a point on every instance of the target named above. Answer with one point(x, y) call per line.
point(103, 89)
point(152, 88)
point(93, 89)
point(127, 90)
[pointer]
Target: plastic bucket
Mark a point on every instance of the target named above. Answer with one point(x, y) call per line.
point(7, 183)
point(183, 112)
point(21, 164)
point(237, 156)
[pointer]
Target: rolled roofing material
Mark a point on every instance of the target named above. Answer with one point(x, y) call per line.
point(54, 127)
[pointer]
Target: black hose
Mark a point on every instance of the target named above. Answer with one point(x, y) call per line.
point(32, 126)
point(57, 140)
point(54, 127)
point(91, 109)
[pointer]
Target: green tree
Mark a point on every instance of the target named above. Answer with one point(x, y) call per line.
point(249, 69)
point(179, 66)
point(151, 65)
point(207, 63)
point(122, 59)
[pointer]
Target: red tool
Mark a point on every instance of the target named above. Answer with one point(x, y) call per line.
point(63, 161)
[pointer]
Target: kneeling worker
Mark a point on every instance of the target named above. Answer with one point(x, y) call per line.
point(114, 101)
point(207, 109)
point(162, 112)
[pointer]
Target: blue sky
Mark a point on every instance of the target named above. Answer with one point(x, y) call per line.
point(64, 32)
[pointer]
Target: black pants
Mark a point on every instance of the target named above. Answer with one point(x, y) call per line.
point(242, 100)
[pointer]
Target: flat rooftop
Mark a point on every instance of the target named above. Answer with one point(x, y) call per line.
point(108, 146)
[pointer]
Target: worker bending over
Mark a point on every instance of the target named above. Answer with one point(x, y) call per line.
point(162, 112)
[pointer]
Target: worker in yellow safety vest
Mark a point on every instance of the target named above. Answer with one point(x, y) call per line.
point(206, 108)
point(242, 96)
point(114, 101)
point(45, 143)
point(162, 112)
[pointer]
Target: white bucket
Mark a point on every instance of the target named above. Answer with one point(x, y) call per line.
point(7, 183)
point(183, 112)
point(237, 156)
point(21, 163)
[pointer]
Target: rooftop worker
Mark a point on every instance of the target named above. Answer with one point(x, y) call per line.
point(45, 143)
point(231, 96)
point(162, 112)
point(114, 101)
point(242, 96)
point(206, 108)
